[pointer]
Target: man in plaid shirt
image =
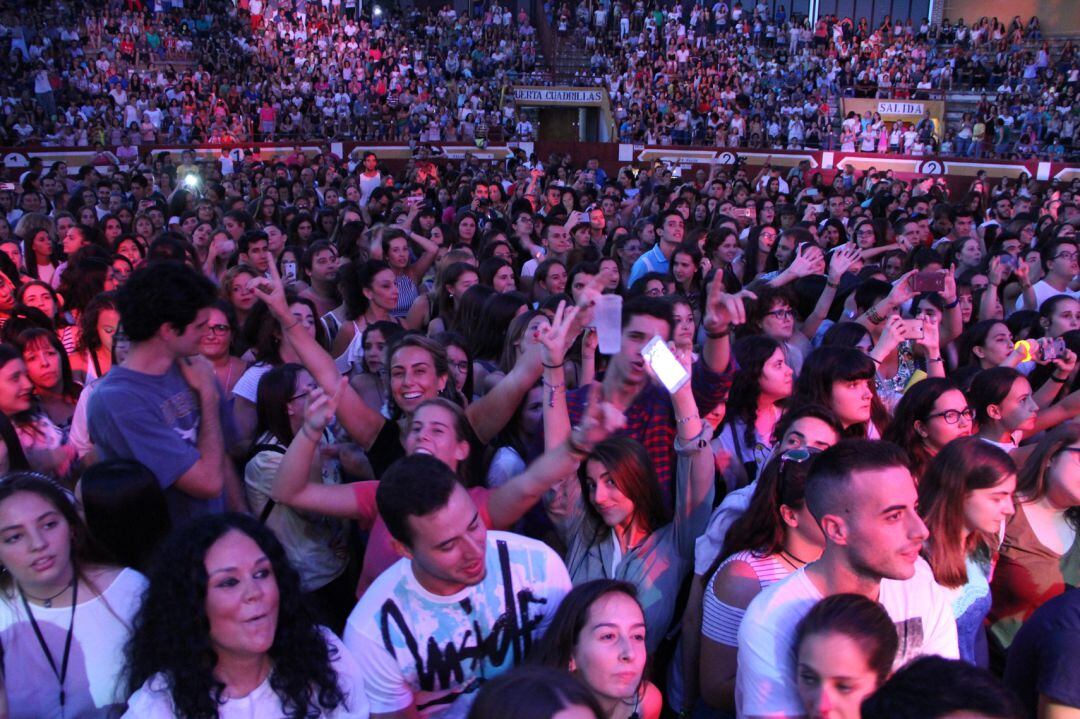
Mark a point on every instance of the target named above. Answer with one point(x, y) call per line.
point(646, 404)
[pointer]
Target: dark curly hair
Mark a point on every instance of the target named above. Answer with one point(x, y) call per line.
point(171, 634)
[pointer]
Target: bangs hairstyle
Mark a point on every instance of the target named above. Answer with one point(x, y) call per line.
point(34, 339)
point(914, 407)
point(961, 467)
point(827, 366)
point(276, 388)
point(629, 466)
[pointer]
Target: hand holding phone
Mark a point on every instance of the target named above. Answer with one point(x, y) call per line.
point(664, 365)
point(928, 281)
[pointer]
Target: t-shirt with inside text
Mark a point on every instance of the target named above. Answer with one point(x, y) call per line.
point(415, 647)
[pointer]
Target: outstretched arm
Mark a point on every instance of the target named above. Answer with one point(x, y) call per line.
point(512, 500)
point(360, 421)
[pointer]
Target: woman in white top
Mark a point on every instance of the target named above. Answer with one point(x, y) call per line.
point(65, 615)
point(224, 631)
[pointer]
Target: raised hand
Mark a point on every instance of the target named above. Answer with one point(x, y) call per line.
point(598, 422)
point(894, 332)
point(320, 407)
point(841, 262)
point(931, 339)
point(723, 310)
point(271, 290)
point(806, 264)
point(556, 338)
point(902, 290)
point(998, 271)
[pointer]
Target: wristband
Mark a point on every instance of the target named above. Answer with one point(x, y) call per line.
point(553, 366)
point(832, 284)
point(934, 359)
point(1059, 380)
point(874, 317)
point(719, 335)
point(688, 418)
point(294, 324)
point(955, 303)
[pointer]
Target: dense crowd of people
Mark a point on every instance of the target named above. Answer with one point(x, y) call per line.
point(125, 75)
point(314, 437)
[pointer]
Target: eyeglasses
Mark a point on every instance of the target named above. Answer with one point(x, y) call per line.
point(462, 367)
point(219, 329)
point(308, 389)
point(952, 416)
point(781, 314)
point(1066, 256)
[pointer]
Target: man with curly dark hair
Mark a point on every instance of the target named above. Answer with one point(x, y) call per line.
point(162, 406)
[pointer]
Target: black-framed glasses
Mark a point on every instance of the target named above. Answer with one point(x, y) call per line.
point(781, 314)
point(952, 416)
point(1070, 256)
point(219, 329)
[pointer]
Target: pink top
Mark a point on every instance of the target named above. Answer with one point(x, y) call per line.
point(380, 554)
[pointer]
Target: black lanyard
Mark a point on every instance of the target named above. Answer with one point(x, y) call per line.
point(62, 674)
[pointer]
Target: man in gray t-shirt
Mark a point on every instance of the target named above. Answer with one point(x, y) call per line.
point(163, 407)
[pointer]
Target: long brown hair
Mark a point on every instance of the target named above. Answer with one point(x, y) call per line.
point(962, 466)
point(630, 467)
point(85, 549)
point(1031, 482)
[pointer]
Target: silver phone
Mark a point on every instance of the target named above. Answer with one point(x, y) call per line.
point(667, 369)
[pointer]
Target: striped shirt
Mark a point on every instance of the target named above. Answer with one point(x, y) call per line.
point(407, 294)
point(720, 621)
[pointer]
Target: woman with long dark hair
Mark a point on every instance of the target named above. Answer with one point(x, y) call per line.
point(370, 378)
point(842, 379)
point(598, 635)
point(44, 444)
point(316, 546)
point(775, 537)
point(98, 325)
point(55, 391)
point(931, 414)
point(965, 498)
point(616, 508)
point(60, 588)
point(224, 628)
point(760, 386)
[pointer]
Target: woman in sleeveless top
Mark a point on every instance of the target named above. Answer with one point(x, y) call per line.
point(775, 537)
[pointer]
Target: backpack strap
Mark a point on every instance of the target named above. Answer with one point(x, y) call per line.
point(270, 504)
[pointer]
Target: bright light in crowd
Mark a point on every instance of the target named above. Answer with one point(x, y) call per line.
point(191, 180)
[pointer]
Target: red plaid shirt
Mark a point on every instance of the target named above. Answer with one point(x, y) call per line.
point(651, 420)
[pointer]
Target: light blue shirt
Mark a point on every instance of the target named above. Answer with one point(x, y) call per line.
point(651, 261)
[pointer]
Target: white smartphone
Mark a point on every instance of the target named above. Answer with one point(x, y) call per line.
point(667, 369)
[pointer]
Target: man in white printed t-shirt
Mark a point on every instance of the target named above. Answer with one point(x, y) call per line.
point(464, 606)
point(864, 498)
